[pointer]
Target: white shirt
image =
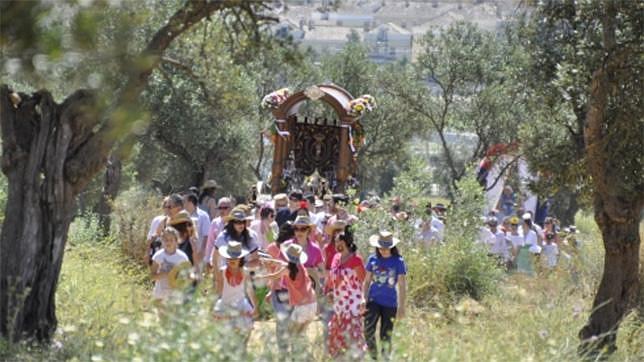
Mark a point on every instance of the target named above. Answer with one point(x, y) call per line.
point(166, 262)
point(154, 225)
point(203, 226)
point(551, 251)
point(439, 226)
point(256, 226)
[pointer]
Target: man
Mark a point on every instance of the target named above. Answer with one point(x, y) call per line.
point(200, 218)
point(289, 214)
point(438, 220)
point(224, 206)
point(282, 212)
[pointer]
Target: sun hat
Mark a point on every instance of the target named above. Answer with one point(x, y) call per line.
point(179, 275)
point(514, 220)
point(303, 220)
point(233, 250)
point(294, 253)
point(336, 225)
point(526, 216)
point(318, 203)
point(384, 239)
point(210, 184)
point(237, 214)
point(180, 218)
point(492, 220)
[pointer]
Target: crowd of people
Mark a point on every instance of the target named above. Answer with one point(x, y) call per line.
point(295, 252)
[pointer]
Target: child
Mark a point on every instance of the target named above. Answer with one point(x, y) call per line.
point(301, 295)
point(550, 251)
point(235, 289)
point(385, 269)
point(164, 261)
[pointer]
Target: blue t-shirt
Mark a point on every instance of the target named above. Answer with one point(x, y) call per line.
point(385, 272)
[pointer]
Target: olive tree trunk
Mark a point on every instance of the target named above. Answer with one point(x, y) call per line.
point(49, 153)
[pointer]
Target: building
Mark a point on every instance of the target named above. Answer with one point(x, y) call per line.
point(389, 42)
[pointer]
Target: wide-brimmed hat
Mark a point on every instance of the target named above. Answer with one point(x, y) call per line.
point(303, 220)
point(384, 239)
point(294, 253)
point(439, 206)
point(233, 250)
point(237, 214)
point(210, 184)
point(336, 225)
point(179, 275)
point(181, 217)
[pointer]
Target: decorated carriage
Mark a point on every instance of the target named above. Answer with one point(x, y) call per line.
point(318, 152)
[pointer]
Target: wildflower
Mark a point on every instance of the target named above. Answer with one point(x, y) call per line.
point(99, 344)
point(124, 320)
point(69, 328)
point(132, 338)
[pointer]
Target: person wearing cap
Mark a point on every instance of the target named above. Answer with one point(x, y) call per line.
point(301, 294)
point(236, 297)
point(163, 261)
point(224, 206)
point(525, 245)
point(207, 201)
point(385, 288)
point(187, 235)
point(344, 289)
point(303, 228)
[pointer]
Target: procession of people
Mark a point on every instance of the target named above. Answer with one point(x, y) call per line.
point(297, 253)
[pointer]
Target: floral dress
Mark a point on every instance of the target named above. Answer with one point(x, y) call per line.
point(346, 327)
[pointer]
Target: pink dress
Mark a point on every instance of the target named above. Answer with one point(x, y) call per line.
point(346, 327)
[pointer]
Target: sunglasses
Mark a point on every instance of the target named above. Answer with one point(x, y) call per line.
point(237, 222)
point(300, 228)
point(223, 207)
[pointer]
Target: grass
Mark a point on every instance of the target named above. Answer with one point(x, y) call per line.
point(103, 310)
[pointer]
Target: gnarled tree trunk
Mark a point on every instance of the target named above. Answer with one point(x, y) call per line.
point(49, 154)
point(38, 138)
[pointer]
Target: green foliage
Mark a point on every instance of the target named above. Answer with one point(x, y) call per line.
point(462, 83)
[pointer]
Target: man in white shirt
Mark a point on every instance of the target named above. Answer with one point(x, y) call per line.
point(190, 203)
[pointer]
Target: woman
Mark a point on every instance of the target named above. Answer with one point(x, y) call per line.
point(236, 230)
point(386, 272)
point(207, 200)
point(301, 295)
point(188, 235)
point(265, 227)
point(346, 338)
point(303, 230)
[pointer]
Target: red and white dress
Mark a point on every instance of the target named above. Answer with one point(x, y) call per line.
point(346, 327)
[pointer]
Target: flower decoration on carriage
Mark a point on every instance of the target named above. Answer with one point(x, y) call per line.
point(358, 106)
point(274, 99)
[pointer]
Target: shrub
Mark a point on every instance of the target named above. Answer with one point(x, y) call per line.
point(132, 213)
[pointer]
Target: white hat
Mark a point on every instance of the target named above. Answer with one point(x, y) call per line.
point(526, 216)
point(233, 250)
point(294, 253)
point(384, 239)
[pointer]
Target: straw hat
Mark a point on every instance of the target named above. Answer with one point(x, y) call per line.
point(181, 217)
point(303, 220)
point(335, 226)
point(210, 184)
point(179, 275)
point(233, 250)
point(294, 253)
point(384, 239)
point(514, 220)
point(237, 214)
